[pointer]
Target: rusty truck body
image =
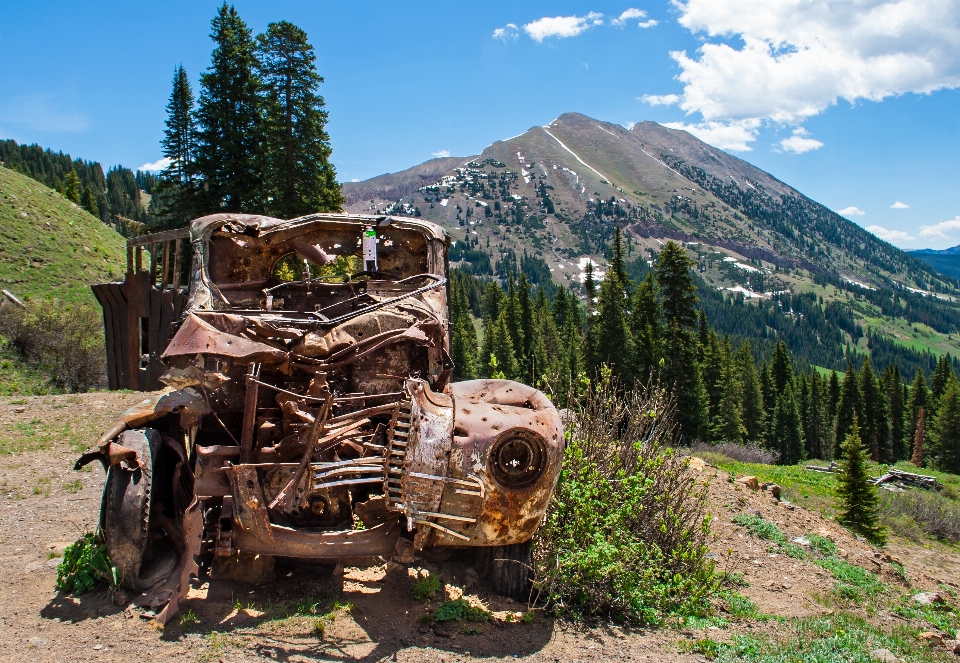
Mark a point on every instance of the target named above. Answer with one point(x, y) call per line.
point(309, 411)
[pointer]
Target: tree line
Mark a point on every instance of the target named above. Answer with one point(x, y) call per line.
point(113, 197)
point(255, 141)
point(656, 328)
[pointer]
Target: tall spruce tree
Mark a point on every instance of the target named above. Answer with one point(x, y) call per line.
point(944, 452)
point(876, 425)
point(71, 187)
point(751, 396)
point(939, 379)
point(463, 335)
point(815, 424)
point(680, 370)
point(727, 421)
point(298, 178)
point(177, 188)
point(498, 343)
point(897, 406)
point(645, 328)
point(525, 351)
point(787, 430)
point(612, 342)
point(712, 371)
point(917, 400)
point(229, 118)
point(849, 408)
point(858, 497)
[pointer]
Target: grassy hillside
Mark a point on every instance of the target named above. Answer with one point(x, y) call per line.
point(50, 247)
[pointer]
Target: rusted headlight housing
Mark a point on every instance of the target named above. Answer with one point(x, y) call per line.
point(518, 458)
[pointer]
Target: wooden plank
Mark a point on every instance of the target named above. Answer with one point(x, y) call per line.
point(157, 346)
point(138, 258)
point(107, 307)
point(129, 261)
point(165, 277)
point(177, 256)
point(119, 306)
point(162, 236)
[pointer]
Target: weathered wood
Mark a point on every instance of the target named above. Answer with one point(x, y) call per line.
point(109, 335)
point(177, 257)
point(165, 278)
point(894, 475)
point(162, 236)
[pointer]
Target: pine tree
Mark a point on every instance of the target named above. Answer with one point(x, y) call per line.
point(229, 119)
point(645, 328)
point(89, 202)
point(498, 343)
point(858, 497)
point(680, 371)
point(945, 448)
point(787, 432)
point(814, 424)
point(896, 409)
point(71, 187)
point(918, 400)
point(177, 190)
point(750, 393)
point(781, 368)
point(849, 408)
point(299, 178)
point(711, 370)
point(938, 381)
point(727, 421)
point(919, 437)
point(876, 424)
point(612, 343)
point(463, 335)
point(525, 351)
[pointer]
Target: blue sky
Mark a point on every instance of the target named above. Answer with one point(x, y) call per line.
point(856, 104)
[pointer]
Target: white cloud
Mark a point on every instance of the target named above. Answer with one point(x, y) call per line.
point(944, 229)
point(630, 14)
point(355, 179)
point(561, 26)
point(890, 235)
point(509, 31)
point(899, 205)
point(156, 166)
point(647, 24)
point(659, 99)
point(735, 136)
point(851, 211)
point(787, 61)
point(442, 153)
point(798, 143)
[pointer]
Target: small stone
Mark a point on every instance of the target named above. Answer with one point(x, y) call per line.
point(931, 639)
point(928, 598)
point(98, 647)
point(774, 490)
point(452, 592)
point(394, 567)
point(120, 597)
point(956, 648)
point(884, 656)
point(750, 482)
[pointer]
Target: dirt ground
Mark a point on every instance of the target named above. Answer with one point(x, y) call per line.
point(45, 505)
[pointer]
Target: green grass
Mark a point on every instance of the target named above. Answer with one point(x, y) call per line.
point(813, 490)
point(426, 587)
point(48, 246)
point(39, 435)
point(19, 379)
point(841, 637)
point(460, 610)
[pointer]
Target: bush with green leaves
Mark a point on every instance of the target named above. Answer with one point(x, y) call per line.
point(85, 564)
point(63, 341)
point(626, 533)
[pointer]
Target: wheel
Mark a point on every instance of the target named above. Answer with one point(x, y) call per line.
point(142, 539)
point(510, 569)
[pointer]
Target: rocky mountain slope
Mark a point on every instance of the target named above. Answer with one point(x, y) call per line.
point(559, 190)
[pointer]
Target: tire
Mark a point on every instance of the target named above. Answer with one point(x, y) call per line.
point(510, 569)
point(127, 514)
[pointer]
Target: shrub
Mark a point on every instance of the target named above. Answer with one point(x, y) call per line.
point(426, 587)
point(460, 610)
point(751, 452)
point(63, 341)
point(626, 533)
point(85, 563)
point(934, 513)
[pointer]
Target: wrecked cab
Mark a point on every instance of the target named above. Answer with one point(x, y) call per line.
point(309, 412)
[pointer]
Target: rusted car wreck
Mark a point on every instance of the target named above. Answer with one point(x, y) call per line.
point(309, 412)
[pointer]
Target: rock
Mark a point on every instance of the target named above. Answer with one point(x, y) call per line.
point(338, 569)
point(403, 552)
point(750, 482)
point(245, 567)
point(452, 592)
point(442, 631)
point(55, 562)
point(884, 656)
point(931, 639)
point(471, 578)
point(825, 533)
point(774, 490)
point(38, 642)
point(394, 567)
point(120, 597)
point(697, 464)
point(928, 598)
point(802, 540)
point(956, 648)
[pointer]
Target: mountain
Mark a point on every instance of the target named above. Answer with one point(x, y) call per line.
point(50, 247)
point(945, 261)
point(549, 200)
point(953, 250)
